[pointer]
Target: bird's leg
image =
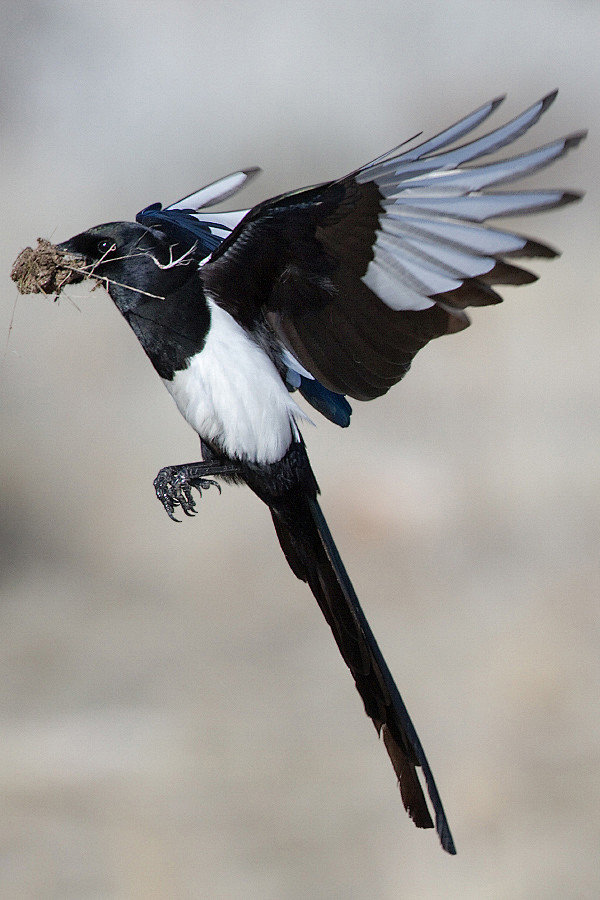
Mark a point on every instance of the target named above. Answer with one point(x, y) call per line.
point(173, 484)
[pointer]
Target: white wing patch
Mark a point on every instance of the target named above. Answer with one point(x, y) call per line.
point(217, 191)
point(429, 240)
point(233, 396)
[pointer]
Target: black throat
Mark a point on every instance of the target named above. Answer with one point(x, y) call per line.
point(171, 330)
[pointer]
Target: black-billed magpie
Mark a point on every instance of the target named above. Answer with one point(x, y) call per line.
point(330, 291)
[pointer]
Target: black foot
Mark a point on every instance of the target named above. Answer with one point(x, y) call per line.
point(173, 485)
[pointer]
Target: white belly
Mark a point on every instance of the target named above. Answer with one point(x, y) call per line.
point(233, 396)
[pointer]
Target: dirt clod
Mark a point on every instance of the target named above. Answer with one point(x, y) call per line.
point(45, 269)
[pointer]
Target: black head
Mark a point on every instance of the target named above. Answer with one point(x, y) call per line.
point(135, 263)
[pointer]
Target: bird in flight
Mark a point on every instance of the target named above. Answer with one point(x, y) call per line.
point(329, 292)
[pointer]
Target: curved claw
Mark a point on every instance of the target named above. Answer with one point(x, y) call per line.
point(173, 486)
point(205, 483)
point(169, 508)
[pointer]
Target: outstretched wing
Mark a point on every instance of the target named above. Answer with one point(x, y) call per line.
point(354, 276)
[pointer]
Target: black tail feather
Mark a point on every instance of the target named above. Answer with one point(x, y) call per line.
point(313, 557)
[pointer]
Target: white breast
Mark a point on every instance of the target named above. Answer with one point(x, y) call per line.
point(233, 396)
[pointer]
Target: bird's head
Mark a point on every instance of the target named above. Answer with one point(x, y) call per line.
point(133, 262)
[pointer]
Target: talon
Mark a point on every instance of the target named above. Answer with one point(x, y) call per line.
point(205, 483)
point(173, 486)
point(167, 492)
point(172, 517)
point(168, 507)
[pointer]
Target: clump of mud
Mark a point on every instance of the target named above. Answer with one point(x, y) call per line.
point(45, 269)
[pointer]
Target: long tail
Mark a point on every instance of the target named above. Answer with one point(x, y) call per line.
point(313, 557)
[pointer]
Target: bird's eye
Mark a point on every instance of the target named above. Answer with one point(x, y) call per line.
point(106, 246)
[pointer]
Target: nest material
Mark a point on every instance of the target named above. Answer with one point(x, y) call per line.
point(45, 269)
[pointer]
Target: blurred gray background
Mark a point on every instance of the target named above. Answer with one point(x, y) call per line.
point(175, 721)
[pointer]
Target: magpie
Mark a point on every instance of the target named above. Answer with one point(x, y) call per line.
point(327, 292)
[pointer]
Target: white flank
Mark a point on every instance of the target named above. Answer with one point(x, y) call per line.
point(233, 396)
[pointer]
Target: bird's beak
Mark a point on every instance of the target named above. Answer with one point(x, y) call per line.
point(69, 247)
point(75, 258)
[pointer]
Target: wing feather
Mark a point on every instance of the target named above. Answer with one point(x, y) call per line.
point(216, 191)
point(354, 276)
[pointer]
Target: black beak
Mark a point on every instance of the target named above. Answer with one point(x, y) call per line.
point(74, 258)
point(69, 247)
